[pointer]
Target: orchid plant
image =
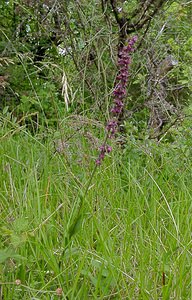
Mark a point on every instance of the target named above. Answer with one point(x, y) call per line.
point(119, 94)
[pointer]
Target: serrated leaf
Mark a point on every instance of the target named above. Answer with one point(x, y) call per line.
point(8, 253)
point(17, 240)
point(20, 225)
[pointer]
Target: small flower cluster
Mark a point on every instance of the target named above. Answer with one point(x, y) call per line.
point(111, 127)
point(102, 151)
point(119, 93)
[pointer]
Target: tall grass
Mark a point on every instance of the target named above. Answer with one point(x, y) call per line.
point(124, 233)
point(132, 239)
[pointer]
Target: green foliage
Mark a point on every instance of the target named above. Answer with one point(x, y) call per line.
point(7, 254)
point(118, 231)
point(88, 59)
point(131, 229)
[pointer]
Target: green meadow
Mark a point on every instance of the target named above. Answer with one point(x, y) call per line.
point(71, 230)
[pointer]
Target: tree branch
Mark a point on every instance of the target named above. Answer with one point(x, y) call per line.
point(125, 27)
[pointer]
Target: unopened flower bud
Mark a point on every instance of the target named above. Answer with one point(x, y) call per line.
point(17, 281)
point(59, 291)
